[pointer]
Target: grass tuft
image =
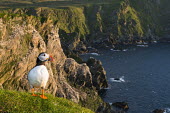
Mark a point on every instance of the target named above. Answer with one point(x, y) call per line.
point(23, 102)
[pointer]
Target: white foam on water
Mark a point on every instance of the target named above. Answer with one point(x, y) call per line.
point(115, 50)
point(110, 103)
point(121, 79)
point(107, 87)
point(96, 54)
point(145, 43)
point(125, 50)
point(155, 42)
point(142, 45)
point(167, 110)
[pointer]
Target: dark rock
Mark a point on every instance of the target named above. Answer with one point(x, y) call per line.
point(92, 50)
point(81, 48)
point(102, 92)
point(79, 74)
point(122, 105)
point(158, 111)
point(98, 74)
point(116, 78)
point(105, 108)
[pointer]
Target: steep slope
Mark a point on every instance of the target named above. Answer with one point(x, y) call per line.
point(25, 32)
point(22, 38)
point(127, 22)
point(165, 18)
point(85, 23)
point(22, 102)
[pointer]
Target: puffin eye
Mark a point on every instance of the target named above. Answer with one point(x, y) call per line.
point(44, 54)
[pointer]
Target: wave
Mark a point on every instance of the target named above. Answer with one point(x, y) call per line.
point(167, 110)
point(142, 45)
point(109, 87)
point(125, 50)
point(116, 50)
point(95, 54)
point(121, 79)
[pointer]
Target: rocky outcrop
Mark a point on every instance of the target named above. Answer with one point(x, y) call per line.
point(79, 74)
point(99, 25)
point(105, 108)
point(159, 111)
point(21, 43)
point(19, 51)
point(121, 105)
point(98, 74)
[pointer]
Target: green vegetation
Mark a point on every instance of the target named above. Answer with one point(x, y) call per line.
point(25, 43)
point(85, 21)
point(148, 12)
point(92, 101)
point(120, 20)
point(7, 69)
point(22, 102)
point(129, 24)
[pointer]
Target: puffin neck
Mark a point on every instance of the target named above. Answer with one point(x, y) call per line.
point(39, 62)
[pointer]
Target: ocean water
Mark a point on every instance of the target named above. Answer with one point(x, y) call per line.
point(144, 73)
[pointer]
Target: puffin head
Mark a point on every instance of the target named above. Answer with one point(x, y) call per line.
point(43, 57)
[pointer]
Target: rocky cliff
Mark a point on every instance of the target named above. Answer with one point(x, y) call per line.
point(125, 22)
point(25, 32)
point(102, 24)
point(22, 38)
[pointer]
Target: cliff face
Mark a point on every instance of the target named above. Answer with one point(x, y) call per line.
point(104, 24)
point(125, 22)
point(26, 32)
point(165, 18)
point(22, 38)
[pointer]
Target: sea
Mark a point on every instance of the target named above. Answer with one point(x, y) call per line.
point(142, 74)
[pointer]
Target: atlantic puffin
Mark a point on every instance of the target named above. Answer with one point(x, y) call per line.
point(38, 76)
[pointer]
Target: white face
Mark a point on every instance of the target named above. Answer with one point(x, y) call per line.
point(43, 57)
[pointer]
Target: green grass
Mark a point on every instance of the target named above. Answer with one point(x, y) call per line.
point(129, 16)
point(49, 3)
point(23, 102)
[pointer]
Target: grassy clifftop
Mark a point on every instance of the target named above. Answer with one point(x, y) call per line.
point(115, 21)
point(22, 102)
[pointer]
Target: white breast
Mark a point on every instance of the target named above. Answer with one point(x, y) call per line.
point(38, 76)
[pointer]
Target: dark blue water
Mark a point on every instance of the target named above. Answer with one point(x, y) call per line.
point(146, 72)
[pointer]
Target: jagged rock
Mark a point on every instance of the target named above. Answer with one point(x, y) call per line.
point(122, 105)
point(105, 108)
point(81, 48)
point(23, 37)
point(92, 50)
point(78, 73)
point(158, 111)
point(116, 78)
point(98, 73)
point(18, 52)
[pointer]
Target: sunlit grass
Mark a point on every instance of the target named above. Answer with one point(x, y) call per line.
point(23, 102)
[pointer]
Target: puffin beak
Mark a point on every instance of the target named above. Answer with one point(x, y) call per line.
point(50, 58)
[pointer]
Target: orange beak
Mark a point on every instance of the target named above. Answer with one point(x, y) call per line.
point(50, 58)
